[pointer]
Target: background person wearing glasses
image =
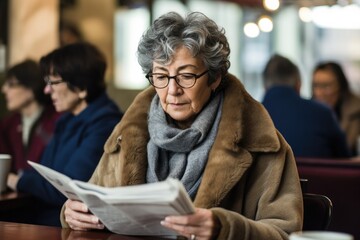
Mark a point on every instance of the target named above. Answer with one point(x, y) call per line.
point(30, 124)
point(74, 76)
point(310, 128)
point(331, 87)
point(199, 125)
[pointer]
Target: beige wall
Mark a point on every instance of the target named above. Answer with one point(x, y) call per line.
point(32, 29)
point(122, 97)
point(95, 20)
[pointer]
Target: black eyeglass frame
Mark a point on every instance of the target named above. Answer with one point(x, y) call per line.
point(12, 84)
point(48, 82)
point(149, 75)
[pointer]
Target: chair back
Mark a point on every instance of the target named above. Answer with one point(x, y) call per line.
point(339, 180)
point(317, 211)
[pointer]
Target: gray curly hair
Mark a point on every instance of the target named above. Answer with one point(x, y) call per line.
point(197, 32)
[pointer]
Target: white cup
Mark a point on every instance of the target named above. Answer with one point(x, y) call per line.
point(5, 164)
point(320, 235)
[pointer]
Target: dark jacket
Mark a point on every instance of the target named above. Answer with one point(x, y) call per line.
point(250, 181)
point(309, 127)
point(40, 135)
point(75, 150)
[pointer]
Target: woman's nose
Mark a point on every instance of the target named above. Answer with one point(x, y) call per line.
point(173, 87)
point(47, 89)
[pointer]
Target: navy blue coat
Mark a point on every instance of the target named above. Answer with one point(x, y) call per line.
point(75, 150)
point(310, 128)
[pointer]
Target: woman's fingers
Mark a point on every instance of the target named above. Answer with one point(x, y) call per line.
point(76, 206)
point(77, 216)
point(200, 224)
point(83, 226)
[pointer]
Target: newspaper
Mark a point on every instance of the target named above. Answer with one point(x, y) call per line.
point(127, 210)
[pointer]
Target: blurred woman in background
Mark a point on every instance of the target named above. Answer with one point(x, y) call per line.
point(331, 87)
point(75, 80)
point(29, 127)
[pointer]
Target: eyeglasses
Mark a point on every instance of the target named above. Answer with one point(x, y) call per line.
point(48, 82)
point(12, 84)
point(324, 86)
point(184, 80)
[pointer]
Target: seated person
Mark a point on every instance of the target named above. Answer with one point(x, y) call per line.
point(30, 125)
point(198, 124)
point(331, 87)
point(310, 128)
point(74, 76)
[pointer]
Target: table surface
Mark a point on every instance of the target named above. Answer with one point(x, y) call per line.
point(13, 201)
point(35, 232)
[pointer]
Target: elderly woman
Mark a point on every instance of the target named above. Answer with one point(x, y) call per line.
point(74, 76)
point(199, 125)
point(26, 131)
point(331, 87)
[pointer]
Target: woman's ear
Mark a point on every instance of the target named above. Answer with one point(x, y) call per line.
point(216, 83)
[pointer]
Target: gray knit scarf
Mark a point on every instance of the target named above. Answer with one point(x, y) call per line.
point(181, 153)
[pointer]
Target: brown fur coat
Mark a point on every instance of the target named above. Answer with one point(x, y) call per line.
point(250, 181)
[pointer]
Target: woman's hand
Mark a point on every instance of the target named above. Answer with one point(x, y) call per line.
point(78, 217)
point(202, 225)
point(12, 181)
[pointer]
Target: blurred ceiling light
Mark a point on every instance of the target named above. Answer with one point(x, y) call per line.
point(305, 14)
point(265, 24)
point(347, 17)
point(271, 5)
point(251, 30)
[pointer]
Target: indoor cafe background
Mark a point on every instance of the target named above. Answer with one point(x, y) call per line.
point(303, 30)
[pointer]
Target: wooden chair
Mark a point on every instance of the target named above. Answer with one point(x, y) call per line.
point(317, 212)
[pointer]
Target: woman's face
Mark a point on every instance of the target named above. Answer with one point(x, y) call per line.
point(183, 104)
point(17, 96)
point(326, 88)
point(63, 98)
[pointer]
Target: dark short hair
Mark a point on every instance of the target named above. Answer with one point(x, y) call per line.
point(280, 70)
point(80, 64)
point(28, 74)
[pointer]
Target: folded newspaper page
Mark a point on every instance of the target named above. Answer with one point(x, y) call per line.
point(127, 210)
